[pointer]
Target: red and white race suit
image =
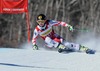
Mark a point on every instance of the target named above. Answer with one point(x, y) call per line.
point(48, 34)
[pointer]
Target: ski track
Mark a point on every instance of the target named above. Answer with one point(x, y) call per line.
point(42, 60)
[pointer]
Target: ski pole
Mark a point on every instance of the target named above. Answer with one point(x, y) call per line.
point(81, 30)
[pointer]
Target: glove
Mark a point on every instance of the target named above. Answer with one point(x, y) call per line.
point(70, 28)
point(35, 47)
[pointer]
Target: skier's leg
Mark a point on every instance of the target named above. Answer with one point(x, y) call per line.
point(72, 46)
point(51, 43)
point(78, 47)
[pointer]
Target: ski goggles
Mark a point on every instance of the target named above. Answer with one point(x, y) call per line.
point(41, 21)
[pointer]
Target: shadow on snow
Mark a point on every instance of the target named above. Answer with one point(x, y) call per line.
point(16, 65)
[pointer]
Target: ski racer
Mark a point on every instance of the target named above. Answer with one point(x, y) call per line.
point(45, 30)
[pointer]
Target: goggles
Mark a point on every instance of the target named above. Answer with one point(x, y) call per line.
point(40, 21)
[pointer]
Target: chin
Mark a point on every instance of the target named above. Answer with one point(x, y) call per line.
point(41, 25)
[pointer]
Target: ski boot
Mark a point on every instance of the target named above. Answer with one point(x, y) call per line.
point(87, 50)
point(62, 48)
point(90, 51)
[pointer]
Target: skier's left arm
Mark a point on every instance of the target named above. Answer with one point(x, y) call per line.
point(66, 25)
point(57, 23)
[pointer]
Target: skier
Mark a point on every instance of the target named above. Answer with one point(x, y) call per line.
point(45, 30)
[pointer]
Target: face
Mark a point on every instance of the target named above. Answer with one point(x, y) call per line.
point(41, 22)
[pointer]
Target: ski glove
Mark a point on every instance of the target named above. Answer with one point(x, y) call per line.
point(70, 28)
point(35, 47)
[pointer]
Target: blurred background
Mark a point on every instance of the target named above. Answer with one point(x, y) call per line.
point(83, 15)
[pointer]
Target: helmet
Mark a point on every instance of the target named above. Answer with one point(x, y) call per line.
point(41, 17)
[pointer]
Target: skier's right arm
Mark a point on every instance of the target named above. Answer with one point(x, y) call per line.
point(35, 35)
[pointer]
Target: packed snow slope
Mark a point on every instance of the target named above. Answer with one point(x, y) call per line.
point(44, 60)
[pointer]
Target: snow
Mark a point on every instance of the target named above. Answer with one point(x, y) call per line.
point(43, 60)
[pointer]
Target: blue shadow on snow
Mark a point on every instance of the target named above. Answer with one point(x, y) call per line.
point(16, 65)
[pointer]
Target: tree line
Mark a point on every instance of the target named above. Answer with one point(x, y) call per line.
point(81, 14)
